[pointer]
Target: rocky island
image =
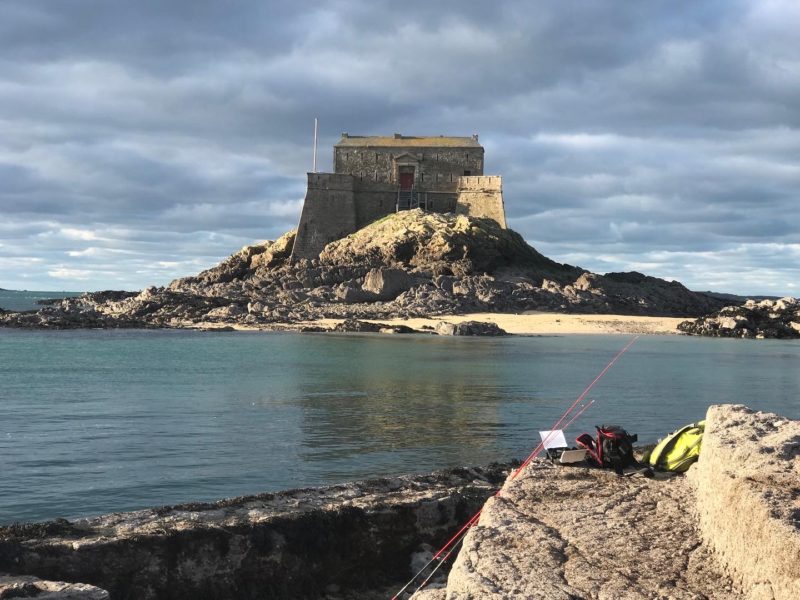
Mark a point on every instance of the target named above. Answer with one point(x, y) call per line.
point(409, 264)
point(404, 227)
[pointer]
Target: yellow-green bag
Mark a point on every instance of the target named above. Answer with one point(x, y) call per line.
point(679, 449)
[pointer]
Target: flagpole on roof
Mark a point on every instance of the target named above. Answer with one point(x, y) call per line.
point(314, 165)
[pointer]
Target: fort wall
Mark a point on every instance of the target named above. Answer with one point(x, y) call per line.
point(373, 201)
point(329, 213)
point(482, 196)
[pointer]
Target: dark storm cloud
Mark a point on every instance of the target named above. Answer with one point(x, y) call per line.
point(144, 141)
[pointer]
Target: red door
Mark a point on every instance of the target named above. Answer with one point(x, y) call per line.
point(406, 181)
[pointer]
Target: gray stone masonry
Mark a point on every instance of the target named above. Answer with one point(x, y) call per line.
point(446, 174)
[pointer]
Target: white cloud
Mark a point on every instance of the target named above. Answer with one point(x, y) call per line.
point(72, 274)
point(78, 234)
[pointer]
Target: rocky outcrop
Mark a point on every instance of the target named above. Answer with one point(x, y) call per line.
point(405, 265)
point(748, 499)
point(356, 326)
point(477, 328)
point(754, 319)
point(437, 244)
point(343, 541)
point(20, 586)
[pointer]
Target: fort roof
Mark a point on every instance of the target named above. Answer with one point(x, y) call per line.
point(406, 141)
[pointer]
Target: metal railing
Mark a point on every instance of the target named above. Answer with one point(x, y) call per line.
point(408, 199)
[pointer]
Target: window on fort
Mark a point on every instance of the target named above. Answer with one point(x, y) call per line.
point(467, 173)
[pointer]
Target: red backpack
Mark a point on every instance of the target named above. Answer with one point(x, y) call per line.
point(613, 448)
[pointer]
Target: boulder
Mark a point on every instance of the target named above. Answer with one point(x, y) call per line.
point(226, 312)
point(469, 328)
point(350, 293)
point(387, 284)
point(748, 498)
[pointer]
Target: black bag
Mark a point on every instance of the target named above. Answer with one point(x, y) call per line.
point(613, 448)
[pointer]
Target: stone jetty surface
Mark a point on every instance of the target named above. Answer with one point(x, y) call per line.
point(341, 542)
point(409, 264)
point(729, 529)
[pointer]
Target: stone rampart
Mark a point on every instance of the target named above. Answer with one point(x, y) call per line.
point(373, 200)
point(296, 544)
point(748, 499)
point(337, 205)
point(482, 196)
point(329, 213)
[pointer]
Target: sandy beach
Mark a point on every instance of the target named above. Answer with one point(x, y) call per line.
point(548, 323)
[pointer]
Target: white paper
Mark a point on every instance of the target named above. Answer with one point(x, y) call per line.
point(553, 439)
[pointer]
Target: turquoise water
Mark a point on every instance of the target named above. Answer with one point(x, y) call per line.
point(27, 300)
point(102, 421)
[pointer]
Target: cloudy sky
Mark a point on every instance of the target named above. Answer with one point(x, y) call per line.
point(143, 141)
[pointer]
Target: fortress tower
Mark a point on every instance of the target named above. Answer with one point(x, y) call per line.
point(377, 175)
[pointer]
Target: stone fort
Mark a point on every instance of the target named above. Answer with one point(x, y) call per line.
point(374, 176)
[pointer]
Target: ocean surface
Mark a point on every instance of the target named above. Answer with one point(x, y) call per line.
point(27, 300)
point(103, 421)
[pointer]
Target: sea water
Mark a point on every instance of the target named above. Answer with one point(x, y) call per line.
point(28, 300)
point(101, 421)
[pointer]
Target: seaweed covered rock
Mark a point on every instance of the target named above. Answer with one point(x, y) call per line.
point(754, 319)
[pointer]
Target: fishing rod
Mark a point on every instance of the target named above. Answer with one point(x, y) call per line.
point(461, 538)
point(458, 537)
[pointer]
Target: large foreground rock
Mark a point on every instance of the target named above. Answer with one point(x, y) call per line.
point(748, 499)
point(576, 533)
point(730, 529)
